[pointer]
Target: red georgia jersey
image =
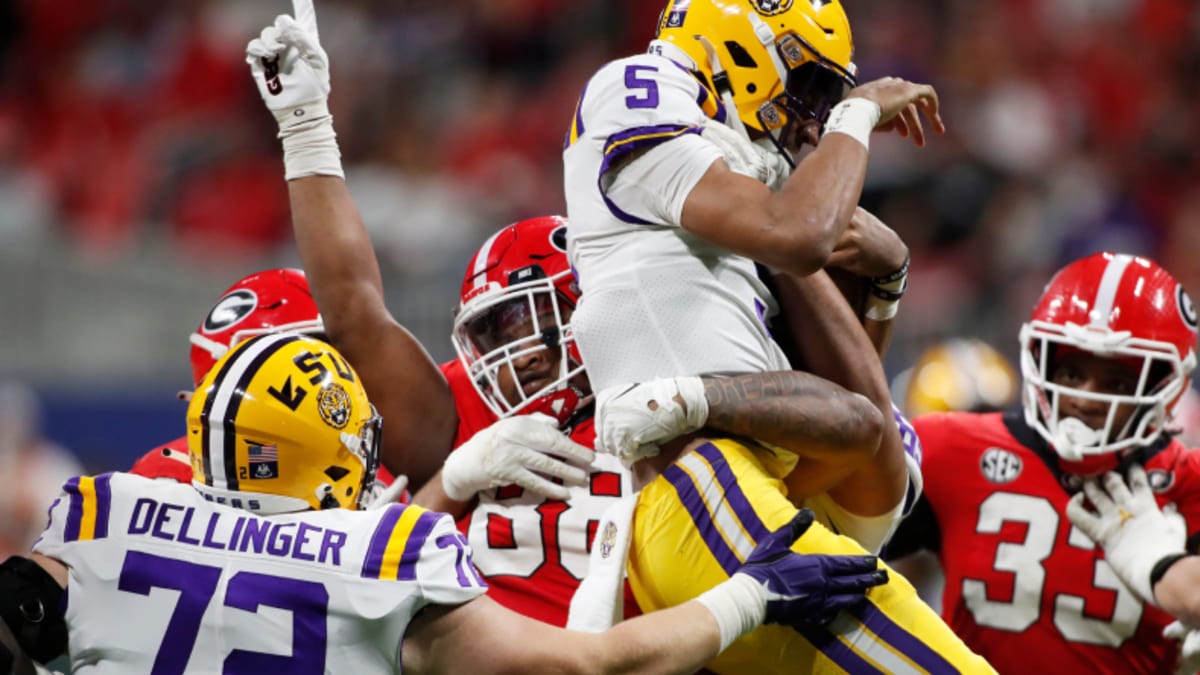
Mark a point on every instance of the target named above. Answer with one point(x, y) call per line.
point(1025, 588)
point(532, 551)
point(169, 460)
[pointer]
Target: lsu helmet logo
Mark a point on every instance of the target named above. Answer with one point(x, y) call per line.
point(773, 7)
point(334, 404)
point(229, 310)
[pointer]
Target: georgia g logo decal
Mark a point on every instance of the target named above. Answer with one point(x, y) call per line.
point(1187, 311)
point(230, 310)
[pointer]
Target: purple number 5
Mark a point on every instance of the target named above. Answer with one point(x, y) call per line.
point(649, 96)
point(307, 600)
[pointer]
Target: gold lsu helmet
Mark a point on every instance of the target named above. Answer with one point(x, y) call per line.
point(282, 423)
point(959, 374)
point(781, 60)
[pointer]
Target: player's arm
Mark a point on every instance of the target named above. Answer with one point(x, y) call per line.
point(870, 268)
point(835, 346)
point(32, 627)
point(292, 74)
point(797, 229)
point(775, 585)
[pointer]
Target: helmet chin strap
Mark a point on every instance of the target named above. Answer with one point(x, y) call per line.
point(721, 82)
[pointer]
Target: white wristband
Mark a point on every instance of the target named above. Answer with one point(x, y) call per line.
point(855, 117)
point(691, 391)
point(739, 605)
point(309, 142)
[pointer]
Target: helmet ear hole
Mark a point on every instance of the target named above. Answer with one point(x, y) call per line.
point(336, 473)
point(740, 56)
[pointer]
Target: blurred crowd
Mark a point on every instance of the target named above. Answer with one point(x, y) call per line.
point(129, 130)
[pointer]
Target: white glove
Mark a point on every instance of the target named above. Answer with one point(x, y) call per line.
point(292, 73)
point(744, 157)
point(632, 421)
point(1127, 523)
point(1189, 647)
point(510, 452)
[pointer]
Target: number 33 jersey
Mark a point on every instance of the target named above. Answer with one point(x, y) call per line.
point(1024, 588)
point(634, 153)
point(162, 581)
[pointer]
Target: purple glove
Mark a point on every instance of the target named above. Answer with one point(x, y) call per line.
point(806, 590)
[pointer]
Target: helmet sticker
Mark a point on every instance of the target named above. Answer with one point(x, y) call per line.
point(674, 15)
point(263, 460)
point(1187, 311)
point(771, 7)
point(230, 310)
point(334, 404)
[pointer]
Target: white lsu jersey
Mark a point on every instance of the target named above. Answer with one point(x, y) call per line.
point(163, 581)
point(634, 153)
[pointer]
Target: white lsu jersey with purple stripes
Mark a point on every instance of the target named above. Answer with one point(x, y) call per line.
point(657, 300)
point(163, 581)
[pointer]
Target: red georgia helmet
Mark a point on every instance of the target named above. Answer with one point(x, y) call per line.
point(271, 301)
point(1114, 306)
point(517, 296)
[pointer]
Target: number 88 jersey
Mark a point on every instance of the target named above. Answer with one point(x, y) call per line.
point(532, 551)
point(1025, 589)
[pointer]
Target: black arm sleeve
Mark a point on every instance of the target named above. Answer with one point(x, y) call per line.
point(918, 531)
point(31, 603)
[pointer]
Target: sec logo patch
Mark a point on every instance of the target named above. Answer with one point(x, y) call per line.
point(1000, 466)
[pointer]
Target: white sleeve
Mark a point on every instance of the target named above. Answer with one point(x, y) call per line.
point(80, 513)
point(655, 184)
point(446, 571)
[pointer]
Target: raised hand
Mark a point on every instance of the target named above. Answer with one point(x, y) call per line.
point(288, 64)
point(1128, 524)
point(631, 421)
point(805, 590)
point(291, 71)
point(524, 450)
point(901, 104)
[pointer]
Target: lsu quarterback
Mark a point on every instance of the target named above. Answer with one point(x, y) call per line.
point(679, 178)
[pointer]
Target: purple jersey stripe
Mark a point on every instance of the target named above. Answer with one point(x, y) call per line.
point(412, 547)
point(838, 652)
point(74, 510)
point(690, 497)
point(622, 143)
point(103, 502)
point(379, 541)
point(903, 641)
point(733, 492)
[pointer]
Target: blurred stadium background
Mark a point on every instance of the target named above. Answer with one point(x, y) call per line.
point(139, 174)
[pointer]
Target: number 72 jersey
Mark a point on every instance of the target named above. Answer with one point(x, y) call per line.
point(1025, 588)
point(162, 581)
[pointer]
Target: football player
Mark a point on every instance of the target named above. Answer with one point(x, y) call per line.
point(676, 172)
point(512, 328)
point(270, 301)
point(264, 563)
point(1108, 350)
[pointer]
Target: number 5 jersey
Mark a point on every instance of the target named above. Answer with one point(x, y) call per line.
point(1025, 588)
point(163, 581)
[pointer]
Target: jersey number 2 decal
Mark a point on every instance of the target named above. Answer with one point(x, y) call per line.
point(1025, 561)
point(306, 600)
